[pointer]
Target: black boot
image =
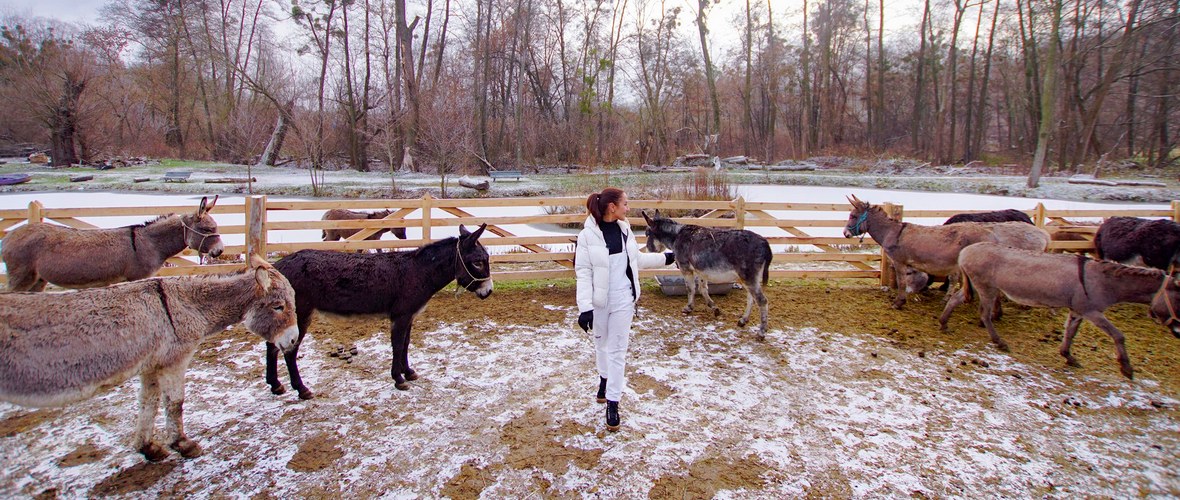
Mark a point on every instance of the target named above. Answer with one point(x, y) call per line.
point(612, 416)
point(601, 389)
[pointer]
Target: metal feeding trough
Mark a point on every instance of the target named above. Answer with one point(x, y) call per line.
point(674, 285)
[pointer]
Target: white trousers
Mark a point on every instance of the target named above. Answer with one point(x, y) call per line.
point(612, 335)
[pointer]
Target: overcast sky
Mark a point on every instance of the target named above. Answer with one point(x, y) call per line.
point(65, 10)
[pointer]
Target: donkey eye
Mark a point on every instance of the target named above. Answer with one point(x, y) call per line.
point(279, 308)
point(478, 265)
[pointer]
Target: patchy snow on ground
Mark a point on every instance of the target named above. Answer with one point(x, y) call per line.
point(504, 410)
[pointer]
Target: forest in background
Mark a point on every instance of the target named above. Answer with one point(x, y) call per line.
point(462, 85)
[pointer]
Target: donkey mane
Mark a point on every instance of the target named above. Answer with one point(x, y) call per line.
point(1119, 270)
point(147, 223)
point(436, 247)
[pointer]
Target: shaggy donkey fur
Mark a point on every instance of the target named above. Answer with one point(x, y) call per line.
point(1087, 287)
point(396, 284)
point(1139, 242)
point(60, 348)
point(345, 214)
point(82, 258)
point(718, 255)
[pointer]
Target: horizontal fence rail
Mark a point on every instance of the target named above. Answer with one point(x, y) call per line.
point(805, 237)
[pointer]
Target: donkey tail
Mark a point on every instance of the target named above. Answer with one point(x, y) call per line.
point(965, 285)
point(766, 265)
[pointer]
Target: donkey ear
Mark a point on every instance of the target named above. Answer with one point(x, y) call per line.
point(262, 276)
point(211, 204)
point(201, 208)
point(463, 232)
point(645, 217)
point(478, 232)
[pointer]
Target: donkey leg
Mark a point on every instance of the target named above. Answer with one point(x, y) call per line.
point(410, 374)
point(1071, 328)
point(1100, 321)
point(22, 280)
point(986, 304)
point(749, 307)
point(703, 286)
point(172, 384)
point(956, 299)
point(899, 273)
point(293, 373)
point(399, 330)
point(690, 284)
point(149, 402)
point(272, 369)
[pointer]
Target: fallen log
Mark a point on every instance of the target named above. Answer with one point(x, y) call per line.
point(81, 178)
point(231, 180)
point(468, 182)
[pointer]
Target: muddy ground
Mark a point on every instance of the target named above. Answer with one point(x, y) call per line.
point(846, 397)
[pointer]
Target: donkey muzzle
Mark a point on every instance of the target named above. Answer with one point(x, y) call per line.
point(287, 339)
point(216, 248)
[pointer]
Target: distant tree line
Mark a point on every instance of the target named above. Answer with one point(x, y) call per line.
point(461, 85)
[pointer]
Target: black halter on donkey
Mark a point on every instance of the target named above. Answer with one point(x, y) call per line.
point(397, 284)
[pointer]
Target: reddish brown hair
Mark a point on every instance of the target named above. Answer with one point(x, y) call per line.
point(598, 202)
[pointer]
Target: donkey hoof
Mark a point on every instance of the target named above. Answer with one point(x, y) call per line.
point(277, 390)
point(716, 312)
point(761, 337)
point(188, 448)
point(742, 322)
point(1002, 346)
point(306, 394)
point(686, 310)
point(411, 375)
point(401, 386)
point(153, 452)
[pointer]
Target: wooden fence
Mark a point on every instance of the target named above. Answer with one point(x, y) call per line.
point(790, 228)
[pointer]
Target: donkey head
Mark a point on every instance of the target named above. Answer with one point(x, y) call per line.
point(200, 230)
point(473, 271)
point(271, 315)
point(661, 231)
point(1166, 304)
point(858, 218)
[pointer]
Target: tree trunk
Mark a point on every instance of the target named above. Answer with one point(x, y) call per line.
point(1048, 99)
point(63, 124)
point(709, 77)
point(406, 40)
point(916, 119)
point(274, 146)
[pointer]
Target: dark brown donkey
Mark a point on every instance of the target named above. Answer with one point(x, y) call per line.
point(1087, 287)
point(59, 348)
point(396, 284)
point(706, 255)
point(83, 258)
point(345, 214)
point(933, 249)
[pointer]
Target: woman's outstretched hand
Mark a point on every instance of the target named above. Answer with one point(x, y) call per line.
point(586, 320)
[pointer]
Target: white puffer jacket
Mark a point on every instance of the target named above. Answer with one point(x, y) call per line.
point(592, 264)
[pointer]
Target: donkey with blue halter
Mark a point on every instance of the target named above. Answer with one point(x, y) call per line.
point(396, 284)
point(717, 255)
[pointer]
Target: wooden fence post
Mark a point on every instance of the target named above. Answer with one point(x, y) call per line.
point(1175, 211)
point(255, 226)
point(35, 211)
point(739, 213)
point(1039, 215)
point(887, 274)
point(426, 216)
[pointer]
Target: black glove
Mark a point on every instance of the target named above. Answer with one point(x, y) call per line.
point(669, 258)
point(586, 320)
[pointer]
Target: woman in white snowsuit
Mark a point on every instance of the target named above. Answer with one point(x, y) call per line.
point(607, 264)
